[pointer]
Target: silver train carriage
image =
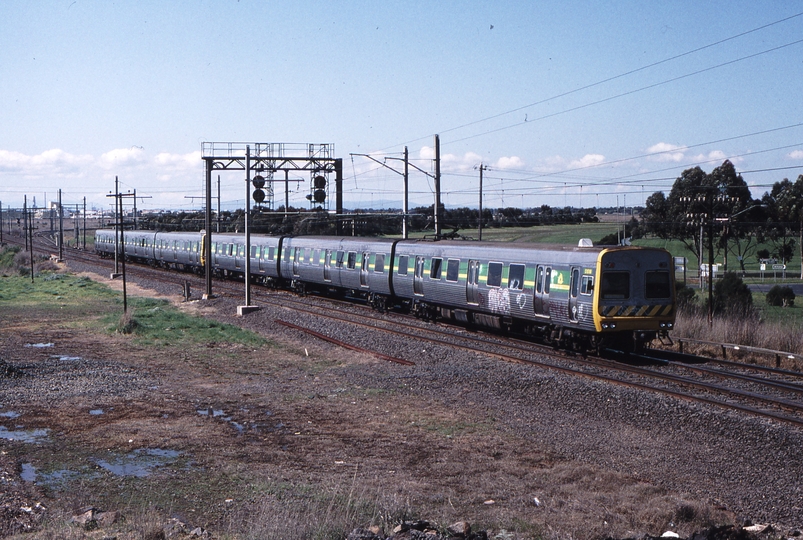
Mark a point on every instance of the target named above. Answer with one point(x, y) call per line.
point(584, 297)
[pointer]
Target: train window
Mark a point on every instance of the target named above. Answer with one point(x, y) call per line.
point(241, 250)
point(539, 279)
point(615, 285)
point(575, 282)
point(453, 270)
point(316, 256)
point(403, 262)
point(254, 252)
point(587, 287)
point(307, 256)
point(287, 255)
point(196, 247)
point(494, 274)
point(657, 284)
point(435, 269)
point(515, 277)
point(547, 279)
point(340, 259)
point(352, 260)
point(271, 253)
point(379, 263)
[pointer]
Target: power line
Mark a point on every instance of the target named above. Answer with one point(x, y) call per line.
point(609, 79)
point(629, 92)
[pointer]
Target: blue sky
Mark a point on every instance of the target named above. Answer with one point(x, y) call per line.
point(578, 103)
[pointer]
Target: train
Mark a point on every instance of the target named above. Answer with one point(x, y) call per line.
point(584, 297)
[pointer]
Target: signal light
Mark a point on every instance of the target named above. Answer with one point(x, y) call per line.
point(259, 194)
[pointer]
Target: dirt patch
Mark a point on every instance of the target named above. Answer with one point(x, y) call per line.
point(296, 439)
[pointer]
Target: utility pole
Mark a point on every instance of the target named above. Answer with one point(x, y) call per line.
point(406, 177)
point(25, 220)
point(437, 213)
point(61, 229)
point(247, 277)
point(117, 227)
point(406, 201)
point(218, 205)
point(207, 237)
point(479, 226)
point(30, 233)
point(84, 222)
point(1, 222)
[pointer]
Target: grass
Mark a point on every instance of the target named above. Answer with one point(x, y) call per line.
point(157, 323)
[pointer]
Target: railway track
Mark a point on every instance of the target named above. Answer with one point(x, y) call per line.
point(756, 390)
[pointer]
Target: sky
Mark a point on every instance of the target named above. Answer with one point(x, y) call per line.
point(564, 103)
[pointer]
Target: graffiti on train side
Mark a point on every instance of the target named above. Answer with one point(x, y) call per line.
point(499, 301)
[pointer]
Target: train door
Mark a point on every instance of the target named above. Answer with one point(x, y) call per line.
point(418, 277)
point(574, 286)
point(543, 278)
point(327, 265)
point(472, 282)
point(296, 254)
point(237, 252)
point(364, 269)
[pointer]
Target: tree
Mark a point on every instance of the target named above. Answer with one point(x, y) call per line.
point(699, 200)
point(786, 202)
point(655, 217)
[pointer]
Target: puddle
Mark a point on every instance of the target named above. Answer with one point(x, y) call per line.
point(28, 473)
point(218, 413)
point(10, 414)
point(39, 345)
point(26, 436)
point(53, 480)
point(210, 412)
point(96, 412)
point(139, 463)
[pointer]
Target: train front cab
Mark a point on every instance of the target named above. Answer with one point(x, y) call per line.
point(634, 301)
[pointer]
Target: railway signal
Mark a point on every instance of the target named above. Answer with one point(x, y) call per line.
point(259, 193)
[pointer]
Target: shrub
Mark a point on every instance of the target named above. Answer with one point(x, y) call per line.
point(732, 296)
point(781, 295)
point(686, 297)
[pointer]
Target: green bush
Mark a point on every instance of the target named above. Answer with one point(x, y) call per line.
point(686, 296)
point(781, 295)
point(732, 296)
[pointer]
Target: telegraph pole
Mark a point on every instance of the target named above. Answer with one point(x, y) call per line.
point(479, 228)
point(61, 229)
point(405, 208)
point(25, 220)
point(437, 213)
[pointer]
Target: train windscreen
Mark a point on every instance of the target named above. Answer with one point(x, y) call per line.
point(615, 285)
point(657, 285)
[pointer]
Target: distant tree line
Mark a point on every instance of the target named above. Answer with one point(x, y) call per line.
point(367, 222)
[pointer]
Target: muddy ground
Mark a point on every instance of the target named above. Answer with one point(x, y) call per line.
point(294, 439)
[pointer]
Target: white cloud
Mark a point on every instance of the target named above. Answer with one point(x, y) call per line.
point(179, 161)
point(50, 162)
point(588, 160)
point(666, 152)
point(797, 154)
point(509, 162)
point(123, 157)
